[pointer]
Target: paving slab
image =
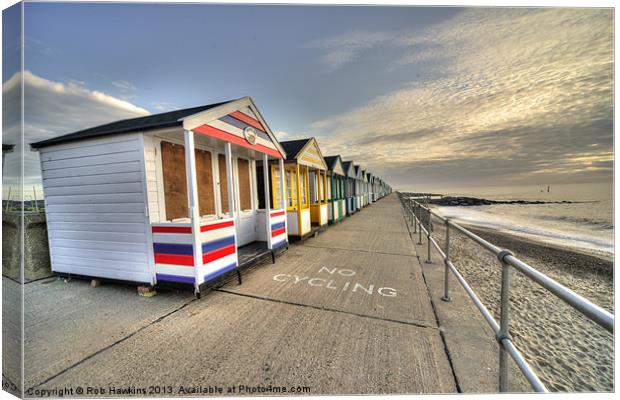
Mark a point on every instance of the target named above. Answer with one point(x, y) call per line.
point(362, 221)
point(376, 285)
point(228, 340)
point(66, 322)
point(364, 240)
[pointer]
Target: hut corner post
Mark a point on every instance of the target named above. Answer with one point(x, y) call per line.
point(267, 205)
point(284, 199)
point(298, 189)
point(194, 211)
point(231, 197)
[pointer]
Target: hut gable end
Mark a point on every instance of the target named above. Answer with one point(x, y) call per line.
point(238, 122)
point(311, 156)
point(334, 163)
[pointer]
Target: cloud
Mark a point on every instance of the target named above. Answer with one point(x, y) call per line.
point(283, 136)
point(52, 109)
point(124, 86)
point(163, 106)
point(343, 49)
point(508, 95)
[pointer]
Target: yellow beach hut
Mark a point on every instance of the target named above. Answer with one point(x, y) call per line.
point(306, 187)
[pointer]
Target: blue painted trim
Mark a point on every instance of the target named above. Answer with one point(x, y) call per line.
point(218, 244)
point(219, 272)
point(173, 248)
point(174, 278)
point(276, 246)
point(242, 125)
point(277, 225)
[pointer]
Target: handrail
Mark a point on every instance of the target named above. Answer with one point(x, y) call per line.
point(592, 311)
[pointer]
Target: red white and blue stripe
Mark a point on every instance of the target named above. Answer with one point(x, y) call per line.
point(219, 249)
point(278, 228)
point(174, 253)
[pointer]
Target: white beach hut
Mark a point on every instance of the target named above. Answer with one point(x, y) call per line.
point(371, 193)
point(359, 183)
point(164, 198)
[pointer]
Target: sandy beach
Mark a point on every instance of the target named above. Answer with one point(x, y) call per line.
point(569, 352)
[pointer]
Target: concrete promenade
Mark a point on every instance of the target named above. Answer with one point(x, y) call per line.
point(350, 311)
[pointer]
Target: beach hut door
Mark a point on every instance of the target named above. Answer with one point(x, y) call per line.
point(246, 214)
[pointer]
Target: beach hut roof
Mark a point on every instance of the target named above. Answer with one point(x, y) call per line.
point(304, 152)
point(153, 121)
point(358, 171)
point(334, 163)
point(348, 169)
point(293, 147)
point(168, 119)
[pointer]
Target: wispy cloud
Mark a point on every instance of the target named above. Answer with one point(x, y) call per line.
point(343, 49)
point(163, 106)
point(124, 86)
point(514, 95)
point(284, 136)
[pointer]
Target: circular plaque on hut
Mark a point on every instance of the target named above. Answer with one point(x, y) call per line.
point(250, 134)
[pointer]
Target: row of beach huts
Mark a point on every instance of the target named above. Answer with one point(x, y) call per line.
point(188, 196)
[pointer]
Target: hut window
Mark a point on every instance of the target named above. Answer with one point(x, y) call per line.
point(302, 177)
point(277, 187)
point(336, 188)
point(289, 190)
point(313, 187)
point(291, 187)
point(221, 160)
point(245, 189)
point(329, 188)
point(294, 193)
point(175, 181)
point(204, 177)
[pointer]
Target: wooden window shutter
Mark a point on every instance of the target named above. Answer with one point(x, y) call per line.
point(204, 177)
point(175, 180)
point(245, 189)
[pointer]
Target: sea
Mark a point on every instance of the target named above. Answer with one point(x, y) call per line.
point(587, 225)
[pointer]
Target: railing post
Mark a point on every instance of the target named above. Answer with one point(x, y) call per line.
point(413, 220)
point(504, 322)
point(446, 277)
point(419, 223)
point(409, 208)
point(428, 237)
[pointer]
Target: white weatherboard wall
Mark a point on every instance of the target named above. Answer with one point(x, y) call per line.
point(153, 179)
point(96, 208)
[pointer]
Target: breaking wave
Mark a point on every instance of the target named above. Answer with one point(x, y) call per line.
point(587, 234)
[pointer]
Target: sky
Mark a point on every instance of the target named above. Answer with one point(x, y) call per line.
point(427, 98)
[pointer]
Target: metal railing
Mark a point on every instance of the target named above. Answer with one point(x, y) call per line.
point(414, 212)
